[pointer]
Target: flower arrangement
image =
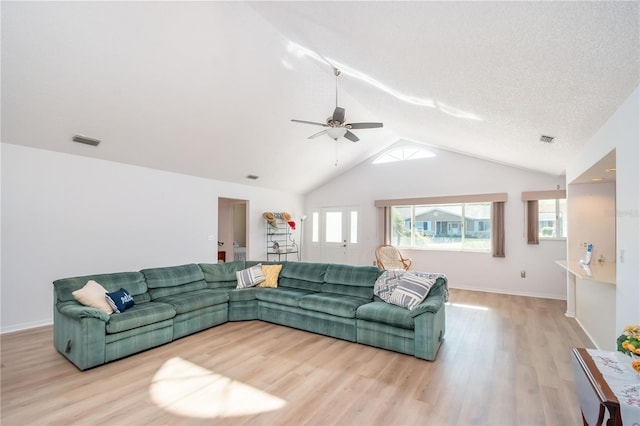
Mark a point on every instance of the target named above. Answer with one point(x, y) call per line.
point(629, 340)
point(629, 343)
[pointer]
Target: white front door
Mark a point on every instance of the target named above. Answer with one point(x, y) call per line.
point(339, 240)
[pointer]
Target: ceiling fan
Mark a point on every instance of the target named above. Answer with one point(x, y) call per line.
point(335, 125)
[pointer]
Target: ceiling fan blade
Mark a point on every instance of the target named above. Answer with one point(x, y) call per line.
point(351, 136)
point(310, 122)
point(317, 134)
point(364, 125)
point(338, 114)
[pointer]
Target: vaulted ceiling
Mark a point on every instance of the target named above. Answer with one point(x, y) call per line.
point(209, 88)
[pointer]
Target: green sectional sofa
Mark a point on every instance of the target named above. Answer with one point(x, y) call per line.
point(173, 302)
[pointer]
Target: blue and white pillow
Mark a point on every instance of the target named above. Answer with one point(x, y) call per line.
point(119, 300)
point(250, 277)
point(411, 290)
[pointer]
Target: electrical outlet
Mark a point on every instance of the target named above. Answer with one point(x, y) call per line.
point(523, 274)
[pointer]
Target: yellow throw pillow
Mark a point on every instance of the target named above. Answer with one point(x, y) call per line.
point(271, 273)
point(93, 294)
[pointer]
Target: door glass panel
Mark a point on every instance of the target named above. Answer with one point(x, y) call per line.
point(354, 227)
point(333, 227)
point(315, 227)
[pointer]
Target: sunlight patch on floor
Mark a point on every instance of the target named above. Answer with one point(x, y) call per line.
point(186, 389)
point(462, 305)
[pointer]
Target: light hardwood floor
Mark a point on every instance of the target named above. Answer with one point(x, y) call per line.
point(505, 361)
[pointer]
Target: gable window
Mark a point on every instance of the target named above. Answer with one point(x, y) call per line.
point(454, 223)
point(403, 154)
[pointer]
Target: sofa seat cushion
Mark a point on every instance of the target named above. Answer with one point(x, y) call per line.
point(282, 296)
point(342, 306)
point(244, 294)
point(194, 300)
point(387, 314)
point(140, 315)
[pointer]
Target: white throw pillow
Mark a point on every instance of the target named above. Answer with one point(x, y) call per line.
point(93, 294)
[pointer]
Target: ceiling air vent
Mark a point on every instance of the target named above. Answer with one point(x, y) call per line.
point(86, 140)
point(252, 177)
point(547, 139)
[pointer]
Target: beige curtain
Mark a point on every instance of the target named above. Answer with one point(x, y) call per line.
point(532, 222)
point(497, 229)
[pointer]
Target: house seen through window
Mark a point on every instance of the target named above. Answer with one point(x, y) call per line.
point(462, 226)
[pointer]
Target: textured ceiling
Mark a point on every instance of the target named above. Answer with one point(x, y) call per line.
point(209, 88)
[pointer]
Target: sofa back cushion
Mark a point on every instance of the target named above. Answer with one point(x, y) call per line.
point(221, 275)
point(347, 280)
point(172, 280)
point(302, 275)
point(133, 282)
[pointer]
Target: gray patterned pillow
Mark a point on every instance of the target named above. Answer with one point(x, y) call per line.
point(411, 290)
point(386, 283)
point(250, 277)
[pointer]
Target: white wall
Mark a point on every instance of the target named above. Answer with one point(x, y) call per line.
point(66, 215)
point(454, 174)
point(591, 219)
point(622, 133)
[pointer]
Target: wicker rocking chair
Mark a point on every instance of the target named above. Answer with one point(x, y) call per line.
point(389, 257)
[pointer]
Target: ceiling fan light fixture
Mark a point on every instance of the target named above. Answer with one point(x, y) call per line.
point(336, 132)
point(336, 125)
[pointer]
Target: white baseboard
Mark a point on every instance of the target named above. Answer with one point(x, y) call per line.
point(512, 293)
point(587, 333)
point(25, 326)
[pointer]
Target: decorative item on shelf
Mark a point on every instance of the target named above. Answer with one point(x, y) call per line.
point(292, 224)
point(271, 219)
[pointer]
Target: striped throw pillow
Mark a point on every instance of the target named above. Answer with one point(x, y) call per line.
point(250, 277)
point(411, 290)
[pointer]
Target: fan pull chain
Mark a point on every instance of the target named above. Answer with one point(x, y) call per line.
point(336, 72)
point(336, 163)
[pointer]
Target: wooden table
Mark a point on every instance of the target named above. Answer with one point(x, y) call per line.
point(593, 392)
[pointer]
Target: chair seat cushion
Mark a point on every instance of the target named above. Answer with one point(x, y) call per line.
point(333, 304)
point(194, 300)
point(140, 315)
point(387, 314)
point(282, 296)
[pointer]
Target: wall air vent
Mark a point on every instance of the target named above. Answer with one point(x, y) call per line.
point(547, 139)
point(85, 140)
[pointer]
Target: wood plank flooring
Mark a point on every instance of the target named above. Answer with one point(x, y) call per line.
point(505, 361)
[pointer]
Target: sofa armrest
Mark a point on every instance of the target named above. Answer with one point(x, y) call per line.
point(431, 304)
point(76, 310)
